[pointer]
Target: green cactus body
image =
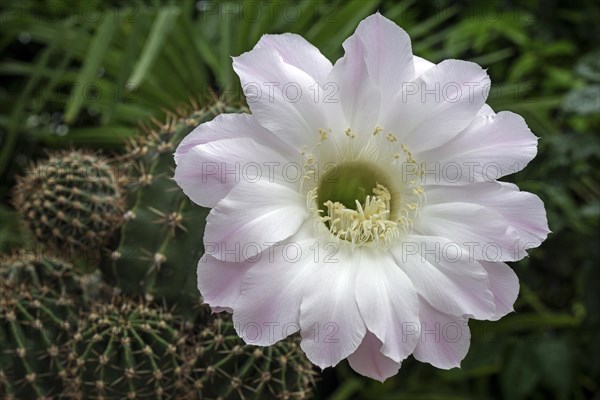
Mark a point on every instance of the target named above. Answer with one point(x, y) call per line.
point(161, 238)
point(71, 201)
point(126, 349)
point(224, 368)
point(38, 310)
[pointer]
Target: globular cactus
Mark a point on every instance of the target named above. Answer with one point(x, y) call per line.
point(42, 273)
point(161, 239)
point(133, 349)
point(222, 367)
point(39, 301)
point(127, 349)
point(71, 201)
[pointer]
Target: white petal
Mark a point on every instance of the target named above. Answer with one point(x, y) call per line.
point(220, 282)
point(444, 340)
point(268, 308)
point(250, 217)
point(442, 102)
point(296, 51)
point(207, 172)
point(332, 326)
point(359, 96)
point(505, 286)
point(494, 145)
point(522, 211)
point(283, 99)
point(421, 65)
point(480, 231)
point(230, 126)
point(446, 276)
point(387, 54)
point(367, 360)
point(388, 303)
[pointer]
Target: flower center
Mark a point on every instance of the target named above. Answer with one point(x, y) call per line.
point(358, 204)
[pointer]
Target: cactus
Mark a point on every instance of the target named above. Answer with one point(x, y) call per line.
point(126, 349)
point(161, 238)
point(222, 367)
point(134, 349)
point(71, 202)
point(40, 272)
point(38, 307)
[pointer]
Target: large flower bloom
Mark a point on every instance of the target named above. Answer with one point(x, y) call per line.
point(359, 202)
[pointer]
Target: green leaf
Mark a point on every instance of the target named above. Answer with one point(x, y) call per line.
point(589, 66)
point(158, 33)
point(91, 65)
point(521, 374)
point(555, 364)
point(583, 101)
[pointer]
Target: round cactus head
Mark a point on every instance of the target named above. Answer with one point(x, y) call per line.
point(127, 349)
point(70, 201)
point(39, 302)
point(223, 367)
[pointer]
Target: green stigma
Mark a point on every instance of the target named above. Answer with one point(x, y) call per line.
point(348, 182)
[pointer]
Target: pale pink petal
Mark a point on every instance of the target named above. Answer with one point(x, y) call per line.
point(250, 218)
point(207, 172)
point(388, 302)
point(492, 146)
point(446, 276)
point(332, 326)
point(421, 65)
point(359, 96)
point(367, 360)
point(387, 53)
point(505, 286)
point(268, 309)
point(220, 282)
point(521, 211)
point(480, 231)
point(438, 105)
point(231, 126)
point(284, 98)
point(445, 339)
point(296, 51)
point(486, 110)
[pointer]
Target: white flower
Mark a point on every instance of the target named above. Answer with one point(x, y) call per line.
point(358, 203)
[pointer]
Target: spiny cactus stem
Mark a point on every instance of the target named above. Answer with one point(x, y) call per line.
point(165, 244)
point(42, 307)
point(282, 380)
point(267, 360)
point(95, 199)
point(80, 207)
point(129, 366)
point(90, 345)
point(48, 312)
point(79, 179)
point(240, 373)
point(160, 340)
point(18, 335)
point(224, 360)
point(143, 344)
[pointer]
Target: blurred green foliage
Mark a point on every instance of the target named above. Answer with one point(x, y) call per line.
point(85, 74)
